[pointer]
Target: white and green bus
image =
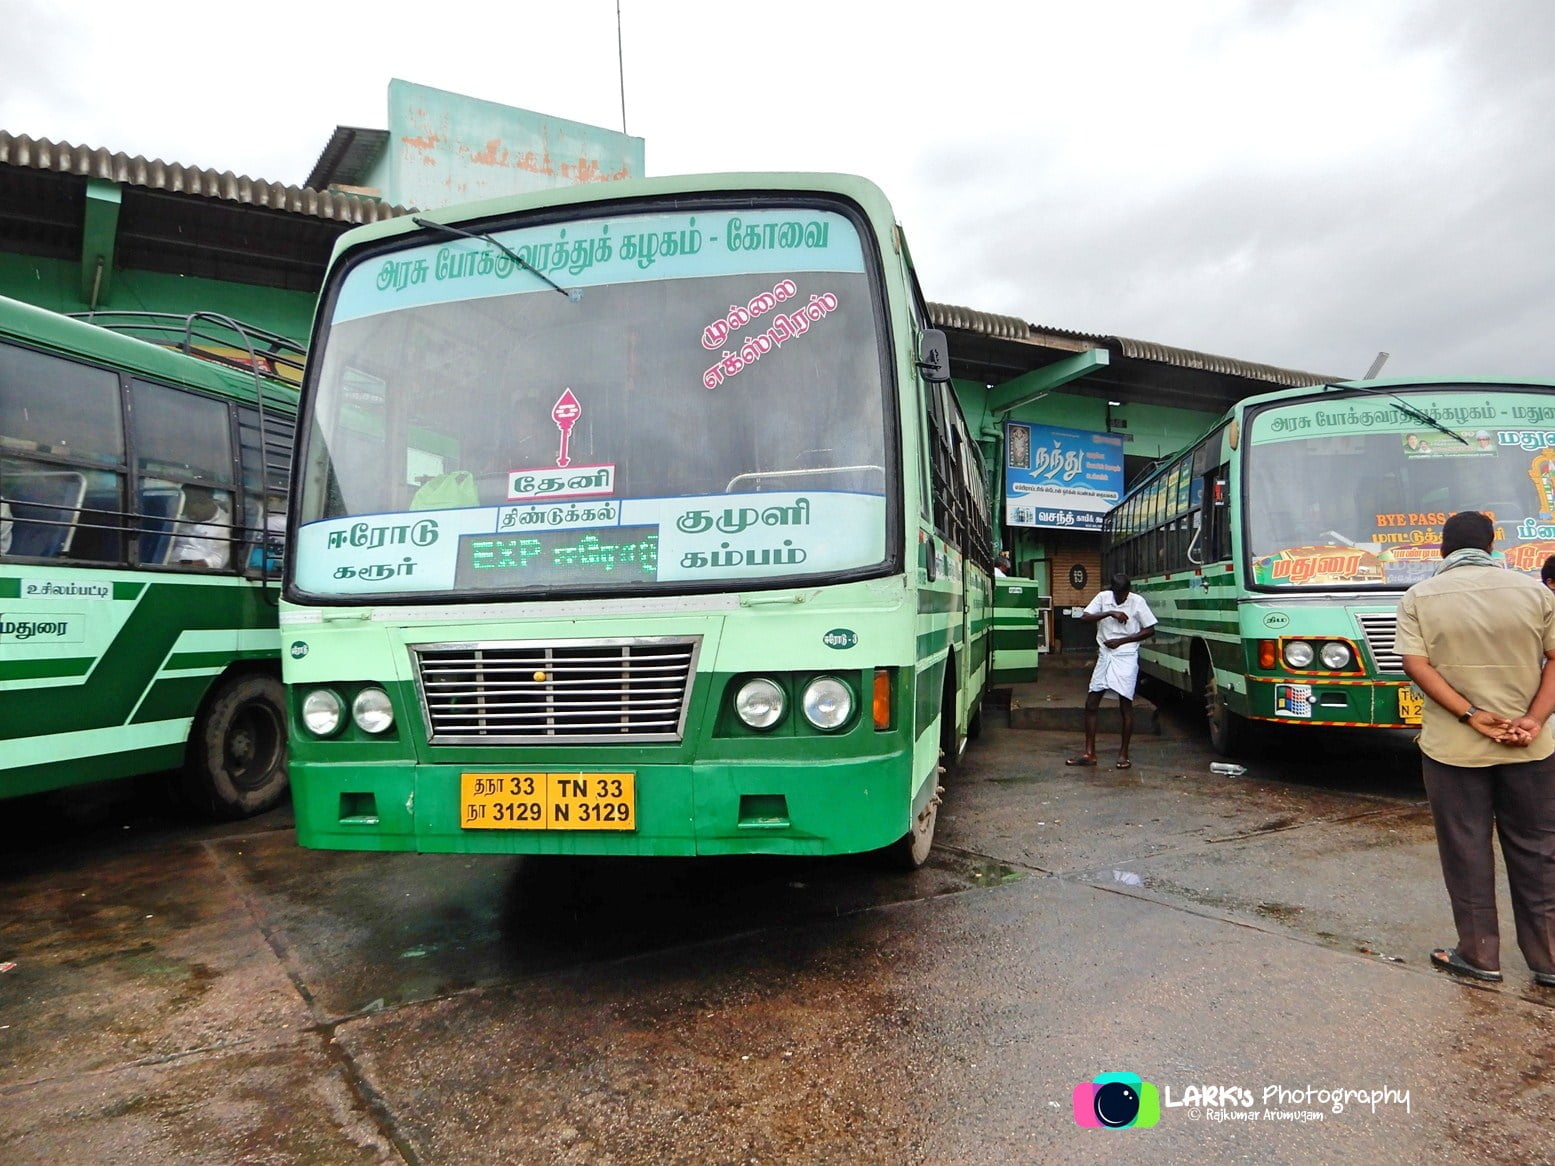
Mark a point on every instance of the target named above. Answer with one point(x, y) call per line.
point(143, 468)
point(633, 519)
point(1274, 549)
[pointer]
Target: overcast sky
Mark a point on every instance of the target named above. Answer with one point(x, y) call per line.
point(1290, 182)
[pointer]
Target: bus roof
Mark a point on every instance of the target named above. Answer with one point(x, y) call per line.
point(54, 332)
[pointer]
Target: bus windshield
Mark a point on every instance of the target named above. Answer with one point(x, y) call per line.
point(1352, 491)
point(632, 400)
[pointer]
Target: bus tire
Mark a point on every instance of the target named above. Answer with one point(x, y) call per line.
point(952, 742)
point(974, 727)
point(1229, 733)
point(911, 850)
point(237, 751)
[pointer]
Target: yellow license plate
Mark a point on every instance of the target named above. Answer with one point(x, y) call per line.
point(1410, 704)
point(548, 801)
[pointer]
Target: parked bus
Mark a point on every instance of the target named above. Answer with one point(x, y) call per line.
point(1274, 549)
point(636, 518)
point(141, 510)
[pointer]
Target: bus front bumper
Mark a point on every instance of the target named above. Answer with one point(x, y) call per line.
point(792, 808)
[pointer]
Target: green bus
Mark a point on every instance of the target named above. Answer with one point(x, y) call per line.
point(143, 467)
point(636, 518)
point(1275, 548)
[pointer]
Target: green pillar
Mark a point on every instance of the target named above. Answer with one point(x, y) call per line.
point(99, 233)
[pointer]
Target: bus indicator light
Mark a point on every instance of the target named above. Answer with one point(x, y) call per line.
point(882, 698)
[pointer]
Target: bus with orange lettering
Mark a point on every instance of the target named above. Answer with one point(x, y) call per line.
point(1274, 549)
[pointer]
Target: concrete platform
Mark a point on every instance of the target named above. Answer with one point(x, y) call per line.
point(1056, 702)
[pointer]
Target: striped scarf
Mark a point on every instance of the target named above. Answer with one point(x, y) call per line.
point(1469, 557)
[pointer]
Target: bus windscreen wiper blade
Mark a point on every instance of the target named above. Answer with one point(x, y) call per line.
point(575, 294)
point(1418, 415)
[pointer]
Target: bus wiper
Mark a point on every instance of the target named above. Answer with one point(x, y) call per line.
point(1420, 415)
point(574, 295)
point(1409, 410)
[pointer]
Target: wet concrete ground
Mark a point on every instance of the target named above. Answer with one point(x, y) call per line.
point(183, 993)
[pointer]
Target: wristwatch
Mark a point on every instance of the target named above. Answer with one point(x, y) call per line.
point(1468, 714)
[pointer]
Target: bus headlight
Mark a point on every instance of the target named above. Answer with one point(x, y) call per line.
point(827, 703)
point(759, 703)
point(1299, 654)
point(372, 711)
point(1336, 657)
point(322, 712)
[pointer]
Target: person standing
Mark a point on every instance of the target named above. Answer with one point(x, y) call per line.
point(1123, 620)
point(1002, 567)
point(1475, 638)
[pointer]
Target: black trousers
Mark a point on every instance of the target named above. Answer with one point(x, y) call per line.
point(1517, 801)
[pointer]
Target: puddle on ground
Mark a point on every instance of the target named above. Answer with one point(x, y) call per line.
point(989, 873)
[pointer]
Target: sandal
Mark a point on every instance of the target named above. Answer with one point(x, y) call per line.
point(1125, 764)
point(1448, 960)
point(1083, 759)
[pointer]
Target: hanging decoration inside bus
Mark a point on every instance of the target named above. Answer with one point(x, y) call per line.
point(545, 482)
point(602, 251)
point(1318, 565)
point(565, 413)
point(1060, 478)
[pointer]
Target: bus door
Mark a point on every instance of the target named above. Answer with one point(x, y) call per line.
point(1017, 631)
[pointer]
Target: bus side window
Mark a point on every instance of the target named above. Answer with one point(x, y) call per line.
point(63, 442)
point(1216, 537)
point(183, 451)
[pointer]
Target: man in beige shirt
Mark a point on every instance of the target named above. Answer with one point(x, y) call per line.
point(1475, 638)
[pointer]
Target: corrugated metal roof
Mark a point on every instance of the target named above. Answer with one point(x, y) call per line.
point(64, 158)
point(1209, 362)
point(1012, 328)
point(1002, 327)
point(346, 157)
point(982, 323)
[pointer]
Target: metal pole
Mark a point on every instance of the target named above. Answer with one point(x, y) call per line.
point(621, 67)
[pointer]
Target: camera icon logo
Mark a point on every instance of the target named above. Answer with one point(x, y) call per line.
point(1117, 1101)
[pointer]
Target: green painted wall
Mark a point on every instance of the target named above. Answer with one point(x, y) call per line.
point(1149, 431)
point(56, 284)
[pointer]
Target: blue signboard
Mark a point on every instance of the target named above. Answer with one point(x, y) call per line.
point(1066, 479)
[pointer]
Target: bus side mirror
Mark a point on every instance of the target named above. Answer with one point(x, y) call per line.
point(933, 356)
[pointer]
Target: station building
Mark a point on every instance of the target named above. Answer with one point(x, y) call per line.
point(84, 229)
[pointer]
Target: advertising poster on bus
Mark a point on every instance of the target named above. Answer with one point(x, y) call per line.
point(1064, 479)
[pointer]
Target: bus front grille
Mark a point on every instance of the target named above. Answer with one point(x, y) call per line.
point(1380, 628)
point(556, 692)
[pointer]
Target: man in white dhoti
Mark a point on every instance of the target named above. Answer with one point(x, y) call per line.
point(1117, 661)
